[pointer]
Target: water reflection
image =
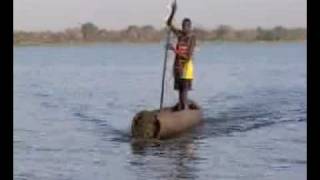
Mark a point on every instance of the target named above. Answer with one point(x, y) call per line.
point(167, 159)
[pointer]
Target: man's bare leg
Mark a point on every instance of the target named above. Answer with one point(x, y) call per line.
point(185, 98)
point(181, 103)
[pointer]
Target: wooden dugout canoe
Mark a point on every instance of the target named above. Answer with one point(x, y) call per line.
point(165, 123)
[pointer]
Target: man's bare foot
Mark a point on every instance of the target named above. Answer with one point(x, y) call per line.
point(185, 107)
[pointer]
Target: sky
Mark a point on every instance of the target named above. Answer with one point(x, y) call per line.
point(56, 15)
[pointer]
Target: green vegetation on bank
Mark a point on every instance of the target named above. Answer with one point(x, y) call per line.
point(90, 33)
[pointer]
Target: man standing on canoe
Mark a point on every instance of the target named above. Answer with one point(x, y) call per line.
point(183, 66)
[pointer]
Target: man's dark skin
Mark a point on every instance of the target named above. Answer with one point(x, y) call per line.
point(186, 42)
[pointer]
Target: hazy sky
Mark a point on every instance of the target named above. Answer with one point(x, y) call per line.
point(117, 14)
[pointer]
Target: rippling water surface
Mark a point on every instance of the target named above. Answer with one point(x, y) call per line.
point(73, 107)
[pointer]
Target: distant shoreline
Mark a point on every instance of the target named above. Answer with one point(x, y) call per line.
point(68, 44)
point(89, 33)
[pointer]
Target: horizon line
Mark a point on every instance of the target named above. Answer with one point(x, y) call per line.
point(161, 28)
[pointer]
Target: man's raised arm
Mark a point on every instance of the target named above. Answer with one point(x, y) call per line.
point(169, 21)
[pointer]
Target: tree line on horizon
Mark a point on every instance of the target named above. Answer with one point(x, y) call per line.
point(89, 32)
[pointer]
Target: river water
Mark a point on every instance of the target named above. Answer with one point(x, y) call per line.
point(73, 107)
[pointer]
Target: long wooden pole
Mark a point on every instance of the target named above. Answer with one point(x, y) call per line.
point(164, 67)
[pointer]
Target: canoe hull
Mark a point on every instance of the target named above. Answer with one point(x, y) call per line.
point(165, 123)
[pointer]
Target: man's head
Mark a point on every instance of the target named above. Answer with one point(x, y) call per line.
point(186, 25)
